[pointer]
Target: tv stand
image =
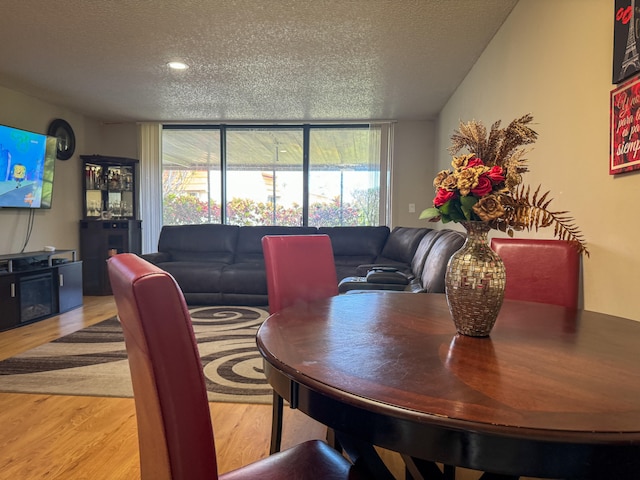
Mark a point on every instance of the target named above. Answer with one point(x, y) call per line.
point(38, 285)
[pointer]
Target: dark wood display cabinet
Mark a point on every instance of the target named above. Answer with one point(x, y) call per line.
point(109, 225)
point(101, 239)
point(38, 285)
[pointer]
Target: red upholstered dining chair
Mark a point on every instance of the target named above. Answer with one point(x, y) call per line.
point(300, 268)
point(175, 434)
point(544, 271)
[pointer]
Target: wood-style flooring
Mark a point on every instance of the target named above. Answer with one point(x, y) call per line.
point(95, 438)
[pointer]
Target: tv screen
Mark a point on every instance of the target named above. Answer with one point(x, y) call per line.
point(27, 162)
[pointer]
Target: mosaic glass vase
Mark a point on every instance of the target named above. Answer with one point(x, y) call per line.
point(474, 283)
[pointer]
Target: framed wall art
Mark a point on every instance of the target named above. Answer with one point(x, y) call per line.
point(626, 56)
point(625, 127)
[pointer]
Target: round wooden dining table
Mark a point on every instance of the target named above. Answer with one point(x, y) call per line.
point(551, 393)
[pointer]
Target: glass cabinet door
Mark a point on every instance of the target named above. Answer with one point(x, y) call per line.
point(109, 187)
point(93, 191)
point(119, 182)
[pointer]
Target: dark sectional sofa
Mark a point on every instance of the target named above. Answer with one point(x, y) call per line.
point(424, 274)
point(218, 264)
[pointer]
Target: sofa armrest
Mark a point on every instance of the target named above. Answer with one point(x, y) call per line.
point(157, 257)
point(360, 283)
point(387, 276)
point(362, 270)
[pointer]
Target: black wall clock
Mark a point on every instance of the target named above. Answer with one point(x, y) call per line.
point(66, 138)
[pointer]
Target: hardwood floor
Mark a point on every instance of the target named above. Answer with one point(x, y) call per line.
point(69, 437)
point(95, 438)
point(63, 437)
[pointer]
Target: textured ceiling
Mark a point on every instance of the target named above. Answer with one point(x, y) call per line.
point(273, 60)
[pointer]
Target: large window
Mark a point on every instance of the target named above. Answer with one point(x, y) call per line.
point(344, 177)
point(191, 173)
point(317, 175)
point(264, 176)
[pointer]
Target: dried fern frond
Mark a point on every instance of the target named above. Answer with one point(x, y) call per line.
point(524, 212)
point(499, 146)
point(496, 134)
point(471, 135)
point(516, 134)
point(514, 167)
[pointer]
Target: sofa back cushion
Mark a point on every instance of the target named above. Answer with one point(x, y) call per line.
point(249, 249)
point(199, 243)
point(435, 266)
point(422, 252)
point(401, 245)
point(356, 245)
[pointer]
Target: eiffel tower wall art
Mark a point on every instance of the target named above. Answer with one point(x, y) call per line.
point(626, 44)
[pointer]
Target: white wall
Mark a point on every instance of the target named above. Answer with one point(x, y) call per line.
point(59, 225)
point(554, 59)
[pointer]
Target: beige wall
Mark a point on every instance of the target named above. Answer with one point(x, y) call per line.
point(119, 140)
point(413, 171)
point(59, 225)
point(554, 59)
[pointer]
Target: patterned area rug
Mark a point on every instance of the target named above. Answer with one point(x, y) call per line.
point(93, 361)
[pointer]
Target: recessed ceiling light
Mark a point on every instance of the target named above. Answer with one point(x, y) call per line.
point(178, 65)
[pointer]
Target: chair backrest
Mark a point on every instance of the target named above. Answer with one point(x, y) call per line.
point(300, 268)
point(544, 271)
point(175, 435)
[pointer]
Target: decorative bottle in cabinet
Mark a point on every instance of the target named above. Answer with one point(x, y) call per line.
point(110, 188)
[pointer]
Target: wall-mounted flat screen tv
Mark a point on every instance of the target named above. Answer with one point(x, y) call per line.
point(27, 162)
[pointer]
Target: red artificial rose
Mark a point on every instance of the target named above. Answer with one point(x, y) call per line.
point(484, 186)
point(442, 197)
point(475, 162)
point(496, 174)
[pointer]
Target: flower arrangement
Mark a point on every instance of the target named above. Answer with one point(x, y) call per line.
point(486, 184)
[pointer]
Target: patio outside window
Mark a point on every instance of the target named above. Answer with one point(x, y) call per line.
point(316, 175)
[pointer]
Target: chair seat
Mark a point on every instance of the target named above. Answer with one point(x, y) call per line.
point(310, 460)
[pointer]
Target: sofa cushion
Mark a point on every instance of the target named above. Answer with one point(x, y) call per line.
point(344, 271)
point(199, 243)
point(353, 246)
point(249, 248)
point(247, 278)
point(401, 245)
point(196, 277)
point(435, 266)
point(420, 257)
